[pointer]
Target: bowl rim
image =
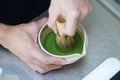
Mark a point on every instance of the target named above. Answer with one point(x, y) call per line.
point(78, 54)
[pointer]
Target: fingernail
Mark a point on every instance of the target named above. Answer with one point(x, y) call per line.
point(55, 31)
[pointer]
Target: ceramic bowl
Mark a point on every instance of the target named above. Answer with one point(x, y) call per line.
point(44, 31)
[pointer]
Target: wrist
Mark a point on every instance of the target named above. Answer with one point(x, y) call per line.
point(3, 32)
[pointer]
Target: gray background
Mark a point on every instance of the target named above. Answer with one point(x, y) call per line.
point(103, 31)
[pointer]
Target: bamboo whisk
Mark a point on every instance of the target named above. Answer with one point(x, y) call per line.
point(66, 43)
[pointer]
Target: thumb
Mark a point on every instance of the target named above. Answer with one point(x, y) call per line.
point(52, 22)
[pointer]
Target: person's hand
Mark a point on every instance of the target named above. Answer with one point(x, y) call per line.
point(72, 10)
point(22, 41)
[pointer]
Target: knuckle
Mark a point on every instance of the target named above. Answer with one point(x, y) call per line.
point(84, 11)
point(75, 14)
point(90, 8)
point(87, 9)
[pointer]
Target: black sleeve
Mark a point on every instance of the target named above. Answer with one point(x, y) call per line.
point(21, 11)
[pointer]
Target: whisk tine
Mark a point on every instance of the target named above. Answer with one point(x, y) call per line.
point(66, 43)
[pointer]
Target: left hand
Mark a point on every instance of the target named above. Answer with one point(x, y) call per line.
point(21, 40)
point(72, 10)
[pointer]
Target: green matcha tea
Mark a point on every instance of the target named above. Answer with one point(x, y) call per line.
point(50, 44)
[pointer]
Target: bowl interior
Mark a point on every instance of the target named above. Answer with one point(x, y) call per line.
point(47, 40)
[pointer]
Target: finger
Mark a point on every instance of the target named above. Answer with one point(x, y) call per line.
point(71, 24)
point(37, 68)
point(52, 22)
point(52, 60)
point(46, 67)
point(54, 66)
point(40, 70)
point(40, 64)
point(46, 59)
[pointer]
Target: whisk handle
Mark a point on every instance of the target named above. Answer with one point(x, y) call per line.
point(61, 24)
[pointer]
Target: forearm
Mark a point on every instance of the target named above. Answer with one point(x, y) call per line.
point(3, 32)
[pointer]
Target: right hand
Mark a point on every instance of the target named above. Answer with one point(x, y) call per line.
point(73, 11)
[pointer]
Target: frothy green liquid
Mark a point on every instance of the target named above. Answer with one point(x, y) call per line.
point(50, 44)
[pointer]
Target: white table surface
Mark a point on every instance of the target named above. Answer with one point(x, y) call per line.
point(103, 31)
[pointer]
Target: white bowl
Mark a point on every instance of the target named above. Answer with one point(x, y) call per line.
point(69, 58)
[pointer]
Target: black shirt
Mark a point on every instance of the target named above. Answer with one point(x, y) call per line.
point(21, 11)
